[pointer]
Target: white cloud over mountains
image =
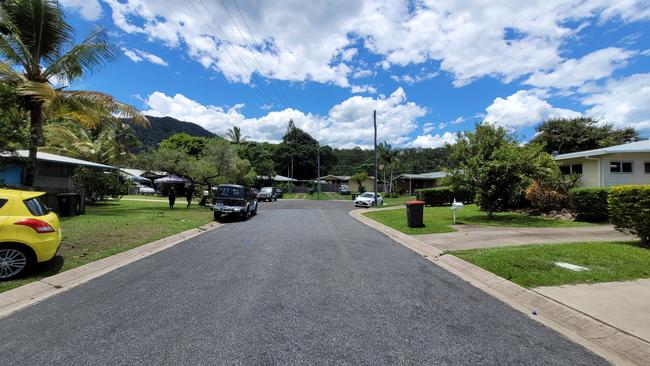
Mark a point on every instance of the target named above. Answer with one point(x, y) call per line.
point(347, 124)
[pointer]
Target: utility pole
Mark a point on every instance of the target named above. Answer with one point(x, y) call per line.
point(318, 170)
point(292, 172)
point(374, 119)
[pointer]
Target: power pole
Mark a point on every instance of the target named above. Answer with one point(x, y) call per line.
point(318, 170)
point(292, 171)
point(374, 119)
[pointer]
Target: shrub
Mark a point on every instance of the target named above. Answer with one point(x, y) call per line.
point(440, 196)
point(546, 198)
point(589, 204)
point(629, 210)
point(98, 185)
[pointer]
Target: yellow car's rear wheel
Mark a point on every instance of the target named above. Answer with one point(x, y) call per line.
point(14, 261)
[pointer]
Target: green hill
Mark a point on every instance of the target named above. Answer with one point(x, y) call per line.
point(163, 127)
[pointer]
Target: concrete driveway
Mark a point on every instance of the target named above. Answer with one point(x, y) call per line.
point(301, 283)
point(475, 236)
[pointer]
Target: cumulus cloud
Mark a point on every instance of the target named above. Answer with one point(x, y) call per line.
point(469, 39)
point(524, 108)
point(575, 72)
point(433, 141)
point(623, 102)
point(88, 9)
point(137, 55)
point(347, 124)
point(358, 89)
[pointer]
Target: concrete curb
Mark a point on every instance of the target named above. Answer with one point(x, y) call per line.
point(611, 343)
point(16, 299)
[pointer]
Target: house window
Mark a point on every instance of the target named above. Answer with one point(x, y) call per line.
point(647, 167)
point(620, 167)
point(571, 169)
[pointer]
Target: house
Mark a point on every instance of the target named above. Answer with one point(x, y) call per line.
point(52, 171)
point(408, 183)
point(609, 166)
point(276, 179)
point(332, 183)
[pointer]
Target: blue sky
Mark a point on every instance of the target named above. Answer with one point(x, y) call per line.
point(429, 68)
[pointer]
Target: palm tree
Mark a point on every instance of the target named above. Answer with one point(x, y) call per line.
point(234, 135)
point(77, 142)
point(389, 156)
point(33, 43)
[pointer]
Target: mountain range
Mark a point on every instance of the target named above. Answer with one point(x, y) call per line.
point(164, 127)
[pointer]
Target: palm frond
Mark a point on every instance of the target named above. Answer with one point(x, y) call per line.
point(42, 92)
point(9, 75)
point(97, 106)
point(85, 57)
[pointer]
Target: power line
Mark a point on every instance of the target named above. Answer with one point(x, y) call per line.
point(273, 86)
point(260, 90)
point(266, 60)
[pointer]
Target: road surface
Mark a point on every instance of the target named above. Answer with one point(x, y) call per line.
point(300, 283)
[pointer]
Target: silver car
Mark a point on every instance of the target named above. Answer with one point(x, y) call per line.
point(367, 200)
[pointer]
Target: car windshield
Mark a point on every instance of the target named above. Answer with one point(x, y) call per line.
point(344, 187)
point(367, 195)
point(36, 207)
point(267, 190)
point(232, 192)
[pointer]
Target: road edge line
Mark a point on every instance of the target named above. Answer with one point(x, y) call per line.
point(16, 299)
point(609, 342)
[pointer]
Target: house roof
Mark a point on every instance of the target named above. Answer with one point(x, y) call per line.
point(277, 178)
point(422, 176)
point(43, 156)
point(335, 177)
point(632, 147)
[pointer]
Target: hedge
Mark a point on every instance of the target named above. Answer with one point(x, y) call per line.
point(440, 196)
point(589, 204)
point(629, 208)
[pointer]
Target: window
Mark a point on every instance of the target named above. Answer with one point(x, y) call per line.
point(2, 202)
point(620, 167)
point(571, 169)
point(647, 167)
point(36, 207)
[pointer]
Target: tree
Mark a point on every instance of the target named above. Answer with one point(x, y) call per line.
point(490, 163)
point(261, 156)
point(303, 148)
point(14, 133)
point(191, 145)
point(388, 157)
point(579, 134)
point(359, 178)
point(34, 39)
point(77, 142)
point(234, 135)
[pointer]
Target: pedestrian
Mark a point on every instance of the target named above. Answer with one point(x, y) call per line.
point(190, 193)
point(172, 196)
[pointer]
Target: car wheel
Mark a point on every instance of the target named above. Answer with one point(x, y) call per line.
point(217, 215)
point(14, 261)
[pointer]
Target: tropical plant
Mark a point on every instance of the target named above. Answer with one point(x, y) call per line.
point(38, 63)
point(99, 185)
point(359, 178)
point(234, 135)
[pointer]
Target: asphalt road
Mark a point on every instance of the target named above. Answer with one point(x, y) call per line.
point(300, 283)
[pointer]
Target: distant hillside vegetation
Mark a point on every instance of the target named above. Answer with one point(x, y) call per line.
point(163, 127)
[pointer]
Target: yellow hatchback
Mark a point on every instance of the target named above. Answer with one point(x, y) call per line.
point(29, 232)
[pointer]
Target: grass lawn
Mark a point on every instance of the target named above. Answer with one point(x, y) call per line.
point(397, 201)
point(148, 197)
point(534, 265)
point(438, 219)
point(113, 227)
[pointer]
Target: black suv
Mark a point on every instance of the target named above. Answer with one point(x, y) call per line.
point(233, 199)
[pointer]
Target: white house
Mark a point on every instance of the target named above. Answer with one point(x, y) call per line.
point(609, 166)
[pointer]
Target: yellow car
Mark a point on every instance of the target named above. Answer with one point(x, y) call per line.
point(29, 232)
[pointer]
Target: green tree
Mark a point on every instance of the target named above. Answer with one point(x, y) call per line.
point(14, 132)
point(234, 135)
point(34, 39)
point(303, 148)
point(359, 178)
point(490, 163)
point(261, 156)
point(579, 134)
point(191, 145)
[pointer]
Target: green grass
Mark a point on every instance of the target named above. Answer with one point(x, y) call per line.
point(534, 265)
point(438, 219)
point(147, 197)
point(397, 201)
point(113, 227)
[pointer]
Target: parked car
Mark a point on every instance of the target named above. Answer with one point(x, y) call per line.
point(232, 199)
point(344, 190)
point(367, 200)
point(146, 191)
point(29, 232)
point(279, 193)
point(267, 194)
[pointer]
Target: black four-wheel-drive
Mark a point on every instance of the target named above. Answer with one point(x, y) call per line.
point(232, 199)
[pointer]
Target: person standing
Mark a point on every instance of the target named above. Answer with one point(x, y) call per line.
point(172, 196)
point(190, 194)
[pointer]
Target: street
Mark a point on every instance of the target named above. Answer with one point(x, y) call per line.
point(300, 283)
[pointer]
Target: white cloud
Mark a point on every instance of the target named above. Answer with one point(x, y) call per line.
point(357, 89)
point(347, 124)
point(363, 73)
point(406, 78)
point(433, 141)
point(575, 72)
point(428, 127)
point(88, 9)
point(624, 102)
point(505, 39)
point(137, 55)
point(524, 108)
